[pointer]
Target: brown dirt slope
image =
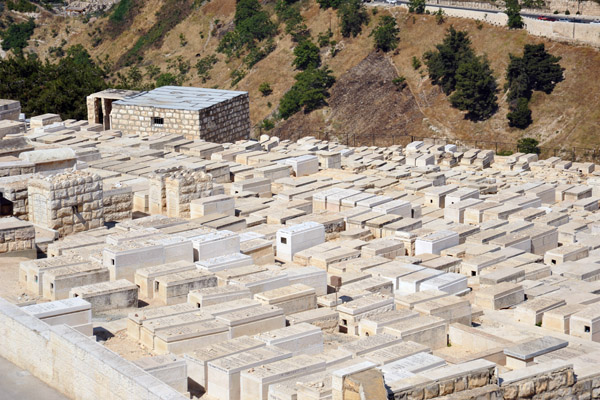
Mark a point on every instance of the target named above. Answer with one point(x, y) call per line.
point(364, 102)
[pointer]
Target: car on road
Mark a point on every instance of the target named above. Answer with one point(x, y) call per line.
point(391, 1)
point(595, 22)
point(563, 20)
point(544, 18)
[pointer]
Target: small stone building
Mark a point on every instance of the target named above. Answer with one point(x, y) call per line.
point(68, 202)
point(197, 113)
point(99, 105)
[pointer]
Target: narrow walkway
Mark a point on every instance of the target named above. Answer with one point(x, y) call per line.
point(18, 384)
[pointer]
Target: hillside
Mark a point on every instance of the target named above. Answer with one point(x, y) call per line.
point(363, 102)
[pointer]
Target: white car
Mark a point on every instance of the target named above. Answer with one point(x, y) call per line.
point(391, 1)
point(595, 22)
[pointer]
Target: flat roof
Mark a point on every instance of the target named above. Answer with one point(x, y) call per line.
point(180, 98)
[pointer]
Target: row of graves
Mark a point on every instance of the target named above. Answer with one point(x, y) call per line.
point(268, 269)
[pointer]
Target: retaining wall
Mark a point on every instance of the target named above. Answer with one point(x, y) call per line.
point(72, 363)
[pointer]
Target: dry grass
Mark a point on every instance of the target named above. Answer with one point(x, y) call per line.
point(569, 115)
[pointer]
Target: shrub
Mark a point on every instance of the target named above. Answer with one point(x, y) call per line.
point(167, 79)
point(520, 114)
point(416, 6)
point(204, 65)
point(528, 145)
point(307, 55)
point(310, 92)
point(416, 63)
point(265, 89)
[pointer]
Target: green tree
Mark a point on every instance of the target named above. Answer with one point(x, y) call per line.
point(520, 114)
point(17, 35)
point(252, 24)
point(442, 64)
point(307, 55)
point(310, 92)
point(528, 146)
point(52, 88)
point(535, 70)
point(416, 6)
point(513, 10)
point(335, 4)
point(352, 15)
point(386, 33)
point(475, 89)
point(167, 79)
point(542, 68)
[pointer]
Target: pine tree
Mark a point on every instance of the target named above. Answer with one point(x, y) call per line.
point(520, 114)
point(443, 63)
point(513, 10)
point(386, 34)
point(353, 15)
point(475, 89)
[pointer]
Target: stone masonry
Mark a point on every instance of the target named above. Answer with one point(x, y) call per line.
point(220, 120)
point(68, 202)
point(184, 186)
point(118, 204)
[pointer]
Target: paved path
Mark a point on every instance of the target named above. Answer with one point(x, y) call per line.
point(18, 384)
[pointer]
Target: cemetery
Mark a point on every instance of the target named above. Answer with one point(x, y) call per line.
point(152, 261)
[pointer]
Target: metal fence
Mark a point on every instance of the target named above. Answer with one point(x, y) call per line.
point(572, 153)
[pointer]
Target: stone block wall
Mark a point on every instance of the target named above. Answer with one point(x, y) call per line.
point(226, 121)
point(10, 109)
point(16, 235)
point(68, 203)
point(118, 204)
point(71, 363)
point(182, 187)
point(16, 168)
point(14, 189)
point(157, 194)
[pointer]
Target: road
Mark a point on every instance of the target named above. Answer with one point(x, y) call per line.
point(553, 17)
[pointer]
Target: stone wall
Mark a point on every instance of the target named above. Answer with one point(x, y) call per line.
point(227, 121)
point(68, 202)
point(118, 204)
point(16, 235)
point(437, 388)
point(14, 189)
point(72, 363)
point(10, 109)
point(157, 194)
point(583, 7)
point(182, 187)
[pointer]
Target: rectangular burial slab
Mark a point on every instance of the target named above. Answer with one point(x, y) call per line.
point(586, 323)
point(369, 344)
point(426, 330)
point(522, 355)
point(108, 295)
point(216, 295)
point(302, 338)
point(450, 308)
point(75, 312)
point(297, 238)
point(59, 281)
point(311, 276)
point(135, 320)
point(291, 299)
point(559, 319)
point(224, 373)
point(502, 295)
point(409, 301)
point(144, 277)
point(255, 382)
point(395, 352)
point(325, 318)
point(411, 283)
point(435, 242)
point(532, 311)
point(449, 282)
point(181, 339)
point(174, 288)
point(220, 263)
point(262, 281)
point(197, 360)
point(151, 327)
point(169, 368)
point(373, 325)
point(254, 320)
point(413, 364)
